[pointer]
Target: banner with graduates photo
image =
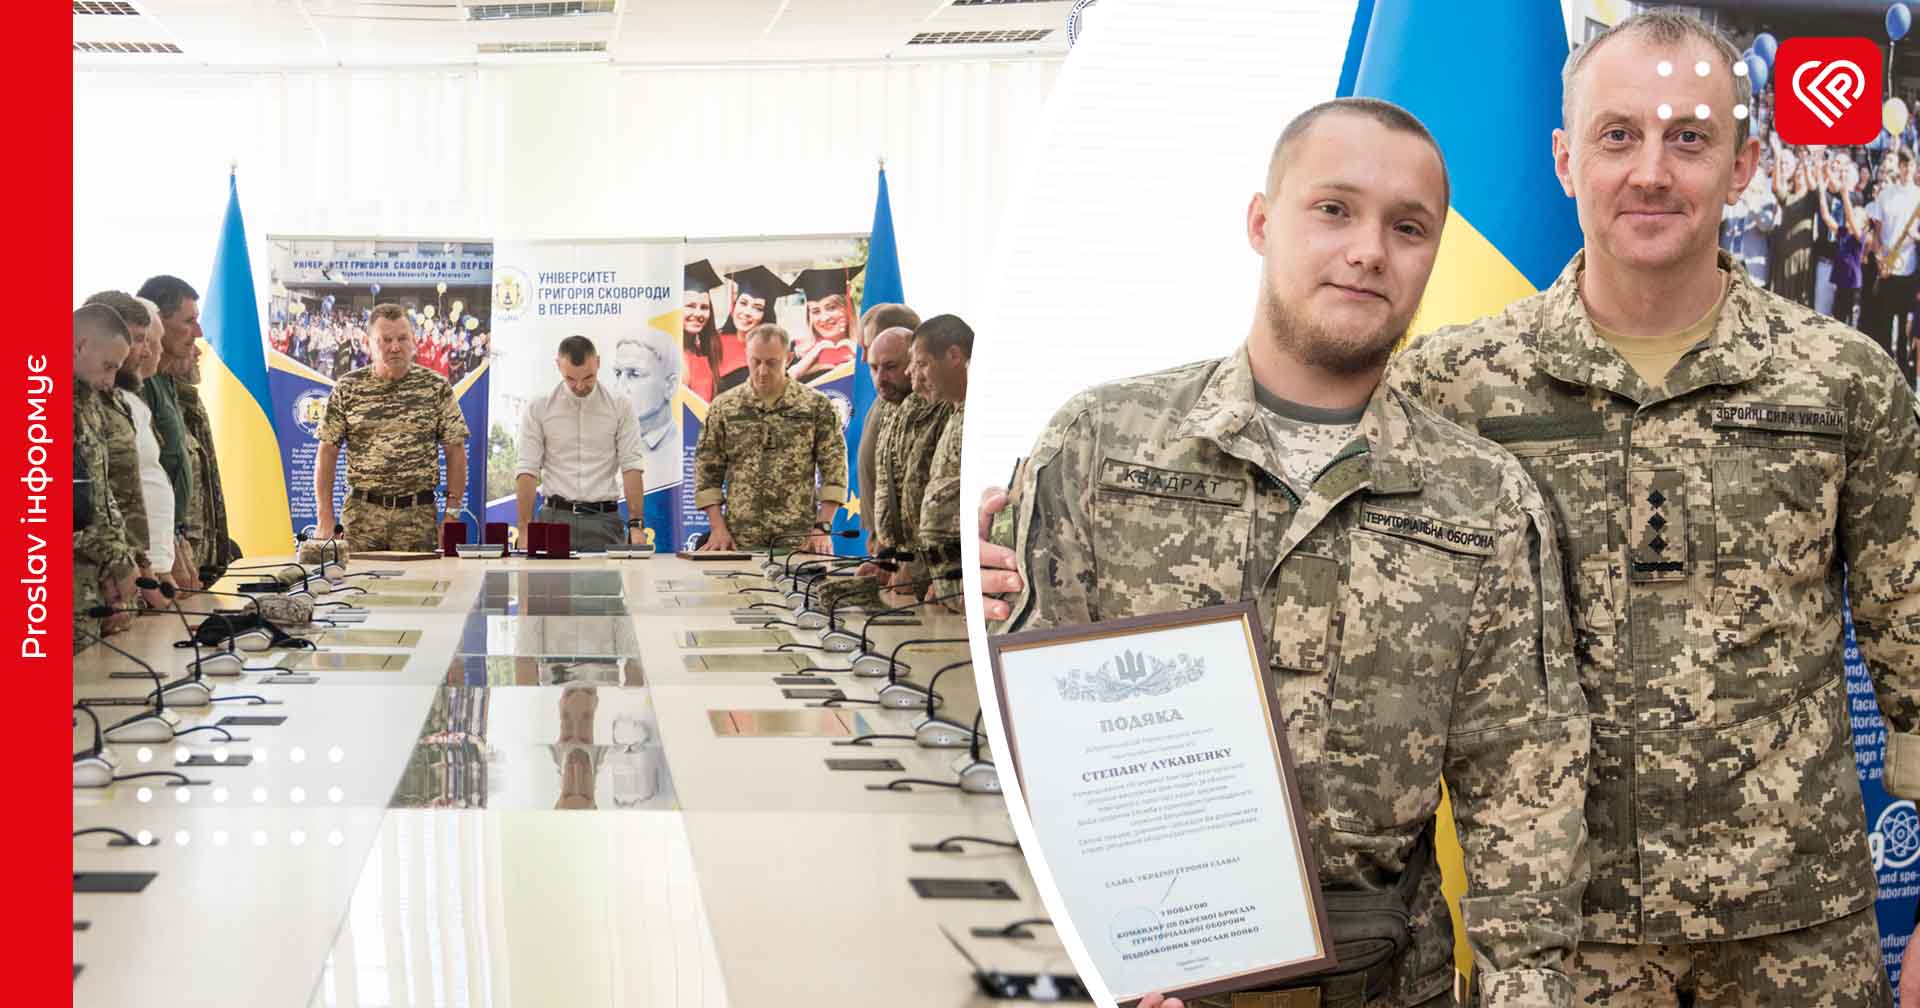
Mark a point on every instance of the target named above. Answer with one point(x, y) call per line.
point(811, 287)
point(321, 293)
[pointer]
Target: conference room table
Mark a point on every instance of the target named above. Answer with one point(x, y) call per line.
point(544, 783)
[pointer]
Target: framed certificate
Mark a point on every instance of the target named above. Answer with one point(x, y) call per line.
point(1156, 771)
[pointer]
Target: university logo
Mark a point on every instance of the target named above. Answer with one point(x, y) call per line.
point(1131, 674)
point(309, 409)
point(511, 294)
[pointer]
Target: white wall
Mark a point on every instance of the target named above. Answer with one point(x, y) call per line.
point(577, 150)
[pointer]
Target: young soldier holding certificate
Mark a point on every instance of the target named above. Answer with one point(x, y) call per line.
point(1406, 572)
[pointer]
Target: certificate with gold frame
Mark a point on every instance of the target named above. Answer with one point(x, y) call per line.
point(1155, 767)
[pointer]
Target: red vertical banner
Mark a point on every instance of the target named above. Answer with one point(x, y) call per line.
point(36, 507)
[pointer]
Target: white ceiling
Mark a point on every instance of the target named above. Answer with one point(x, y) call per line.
point(253, 33)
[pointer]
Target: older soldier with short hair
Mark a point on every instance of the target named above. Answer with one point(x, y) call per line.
point(1405, 571)
point(887, 357)
point(770, 468)
point(943, 348)
point(103, 558)
point(1730, 470)
point(179, 306)
point(879, 319)
point(582, 446)
point(205, 519)
point(394, 418)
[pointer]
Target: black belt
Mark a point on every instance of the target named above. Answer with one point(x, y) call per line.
point(395, 500)
point(582, 507)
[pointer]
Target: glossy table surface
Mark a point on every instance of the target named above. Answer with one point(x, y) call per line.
point(542, 783)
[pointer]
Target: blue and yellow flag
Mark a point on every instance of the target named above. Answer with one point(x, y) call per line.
point(883, 287)
point(234, 384)
point(1488, 86)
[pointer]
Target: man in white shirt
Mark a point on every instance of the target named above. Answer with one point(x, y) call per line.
point(581, 444)
point(156, 490)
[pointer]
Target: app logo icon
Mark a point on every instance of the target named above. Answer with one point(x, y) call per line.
point(1827, 90)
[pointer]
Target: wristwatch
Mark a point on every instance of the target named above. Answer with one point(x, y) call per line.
point(634, 523)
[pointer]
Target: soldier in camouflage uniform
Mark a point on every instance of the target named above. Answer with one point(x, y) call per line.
point(887, 358)
point(122, 440)
point(179, 306)
point(760, 452)
point(207, 528)
point(922, 424)
point(942, 349)
point(1719, 495)
point(103, 560)
point(1405, 570)
point(394, 418)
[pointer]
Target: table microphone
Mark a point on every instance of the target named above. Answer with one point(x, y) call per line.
point(934, 732)
point(92, 767)
point(155, 725)
point(222, 662)
point(978, 776)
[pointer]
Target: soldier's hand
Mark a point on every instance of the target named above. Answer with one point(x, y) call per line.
point(1161, 1001)
point(119, 593)
point(520, 536)
point(1910, 976)
point(158, 599)
point(821, 543)
point(718, 541)
point(869, 569)
point(324, 522)
point(636, 537)
point(185, 572)
point(999, 567)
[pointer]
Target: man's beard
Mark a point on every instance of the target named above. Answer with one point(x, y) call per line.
point(185, 368)
point(1312, 344)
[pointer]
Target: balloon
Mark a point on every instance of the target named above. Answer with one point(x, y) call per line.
point(454, 311)
point(1766, 45)
point(1756, 71)
point(296, 308)
point(472, 323)
point(441, 287)
point(1893, 115)
point(1899, 20)
point(376, 290)
point(426, 311)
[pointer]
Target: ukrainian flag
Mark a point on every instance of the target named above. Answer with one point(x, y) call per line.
point(883, 286)
point(234, 384)
point(1487, 84)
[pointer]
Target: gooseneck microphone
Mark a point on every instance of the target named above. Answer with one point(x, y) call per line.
point(978, 776)
point(935, 732)
point(154, 725)
point(190, 690)
point(92, 768)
